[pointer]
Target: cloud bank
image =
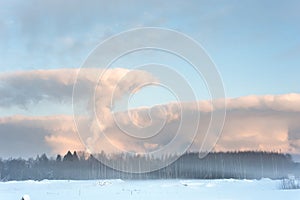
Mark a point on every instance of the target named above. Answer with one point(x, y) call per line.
point(269, 122)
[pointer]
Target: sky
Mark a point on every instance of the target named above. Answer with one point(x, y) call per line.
point(255, 46)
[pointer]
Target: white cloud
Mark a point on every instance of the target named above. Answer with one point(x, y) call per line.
point(269, 122)
point(252, 127)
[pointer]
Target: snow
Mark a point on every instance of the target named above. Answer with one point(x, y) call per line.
point(26, 197)
point(147, 189)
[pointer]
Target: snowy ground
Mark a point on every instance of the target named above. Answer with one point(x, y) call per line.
point(150, 189)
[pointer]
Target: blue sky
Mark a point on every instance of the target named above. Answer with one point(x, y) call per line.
point(255, 44)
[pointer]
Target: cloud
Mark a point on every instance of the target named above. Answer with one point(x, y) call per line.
point(61, 143)
point(57, 33)
point(27, 88)
point(28, 136)
point(269, 125)
point(286, 102)
point(269, 122)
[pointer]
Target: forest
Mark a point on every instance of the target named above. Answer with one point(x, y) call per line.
point(216, 165)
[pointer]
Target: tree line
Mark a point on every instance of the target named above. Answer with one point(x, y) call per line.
point(216, 165)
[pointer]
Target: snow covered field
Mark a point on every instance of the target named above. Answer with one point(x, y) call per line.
point(150, 189)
